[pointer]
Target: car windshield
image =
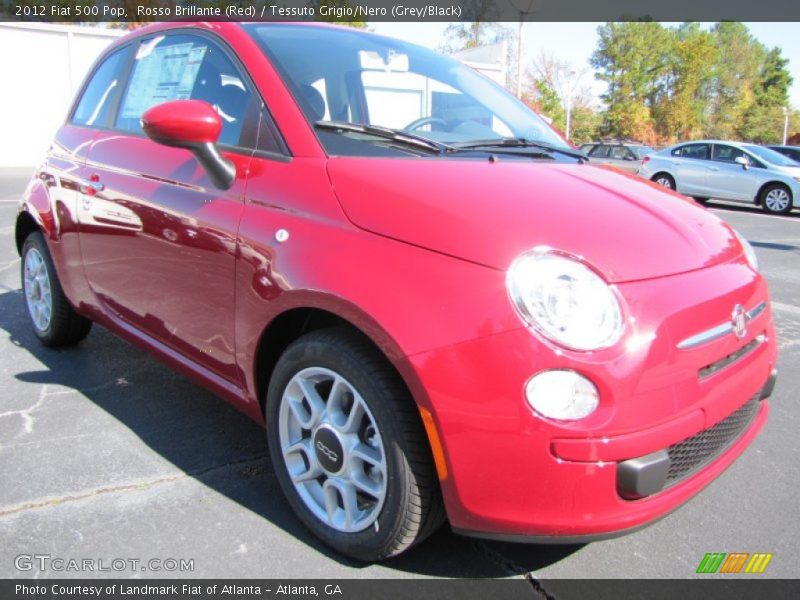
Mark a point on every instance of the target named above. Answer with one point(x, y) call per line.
point(344, 75)
point(769, 155)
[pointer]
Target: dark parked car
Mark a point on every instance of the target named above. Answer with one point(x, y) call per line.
point(792, 152)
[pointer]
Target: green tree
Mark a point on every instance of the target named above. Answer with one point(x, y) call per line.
point(774, 80)
point(542, 98)
point(763, 125)
point(585, 124)
point(763, 122)
point(736, 73)
point(634, 59)
point(479, 31)
point(679, 112)
point(672, 83)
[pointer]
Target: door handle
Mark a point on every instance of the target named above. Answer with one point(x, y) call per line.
point(713, 169)
point(90, 188)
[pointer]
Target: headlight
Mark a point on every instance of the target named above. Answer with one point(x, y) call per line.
point(564, 300)
point(749, 253)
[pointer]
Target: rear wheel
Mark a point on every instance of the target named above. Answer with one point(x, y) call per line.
point(54, 321)
point(664, 180)
point(349, 448)
point(776, 199)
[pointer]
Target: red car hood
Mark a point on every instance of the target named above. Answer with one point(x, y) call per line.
point(490, 212)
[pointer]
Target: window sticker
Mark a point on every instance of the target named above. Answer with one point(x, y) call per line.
point(161, 75)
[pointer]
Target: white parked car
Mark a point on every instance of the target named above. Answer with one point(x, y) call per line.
point(729, 171)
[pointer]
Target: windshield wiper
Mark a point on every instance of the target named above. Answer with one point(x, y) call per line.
point(387, 133)
point(518, 143)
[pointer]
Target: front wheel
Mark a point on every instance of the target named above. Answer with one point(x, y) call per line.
point(776, 199)
point(54, 321)
point(348, 447)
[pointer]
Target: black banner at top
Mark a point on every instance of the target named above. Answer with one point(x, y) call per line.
point(398, 10)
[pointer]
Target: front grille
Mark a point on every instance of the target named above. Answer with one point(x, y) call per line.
point(692, 454)
point(709, 370)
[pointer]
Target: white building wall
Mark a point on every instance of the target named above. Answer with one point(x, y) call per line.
point(42, 68)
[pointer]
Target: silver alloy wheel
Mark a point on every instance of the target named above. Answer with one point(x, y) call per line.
point(664, 182)
point(332, 449)
point(38, 295)
point(777, 200)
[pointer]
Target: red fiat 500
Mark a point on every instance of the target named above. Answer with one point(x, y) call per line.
point(436, 306)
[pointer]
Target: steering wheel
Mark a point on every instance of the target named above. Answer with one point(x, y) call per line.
point(417, 123)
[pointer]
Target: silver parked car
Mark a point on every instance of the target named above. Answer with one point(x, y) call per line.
point(728, 171)
point(622, 154)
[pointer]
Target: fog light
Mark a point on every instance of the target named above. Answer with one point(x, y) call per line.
point(563, 395)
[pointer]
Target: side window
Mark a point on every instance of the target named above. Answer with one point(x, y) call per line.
point(620, 153)
point(599, 151)
point(100, 95)
point(182, 67)
point(697, 151)
point(727, 153)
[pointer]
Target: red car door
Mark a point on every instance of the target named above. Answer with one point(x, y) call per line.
point(158, 239)
point(61, 179)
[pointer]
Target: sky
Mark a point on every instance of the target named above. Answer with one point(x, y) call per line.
point(575, 43)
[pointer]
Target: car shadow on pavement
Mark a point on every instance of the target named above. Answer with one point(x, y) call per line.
point(740, 207)
point(210, 441)
point(775, 246)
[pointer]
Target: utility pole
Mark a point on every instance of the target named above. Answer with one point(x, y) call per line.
point(570, 75)
point(785, 124)
point(525, 7)
point(519, 57)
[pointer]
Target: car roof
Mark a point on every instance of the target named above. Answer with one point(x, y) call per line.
point(614, 143)
point(727, 142)
point(220, 26)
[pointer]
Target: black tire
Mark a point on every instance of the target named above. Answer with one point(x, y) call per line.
point(770, 207)
point(702, 201)
point(412, 508)
point(65, 326)
point(665, 180)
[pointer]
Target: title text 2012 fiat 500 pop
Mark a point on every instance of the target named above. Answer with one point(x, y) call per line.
point(438, 308)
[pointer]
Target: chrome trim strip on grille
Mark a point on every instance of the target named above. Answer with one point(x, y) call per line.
point(714, 367)
point(709, 335)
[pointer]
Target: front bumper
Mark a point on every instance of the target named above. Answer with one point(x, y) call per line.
point(514, 475)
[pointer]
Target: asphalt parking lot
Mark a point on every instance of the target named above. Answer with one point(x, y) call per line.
point(105, 453)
